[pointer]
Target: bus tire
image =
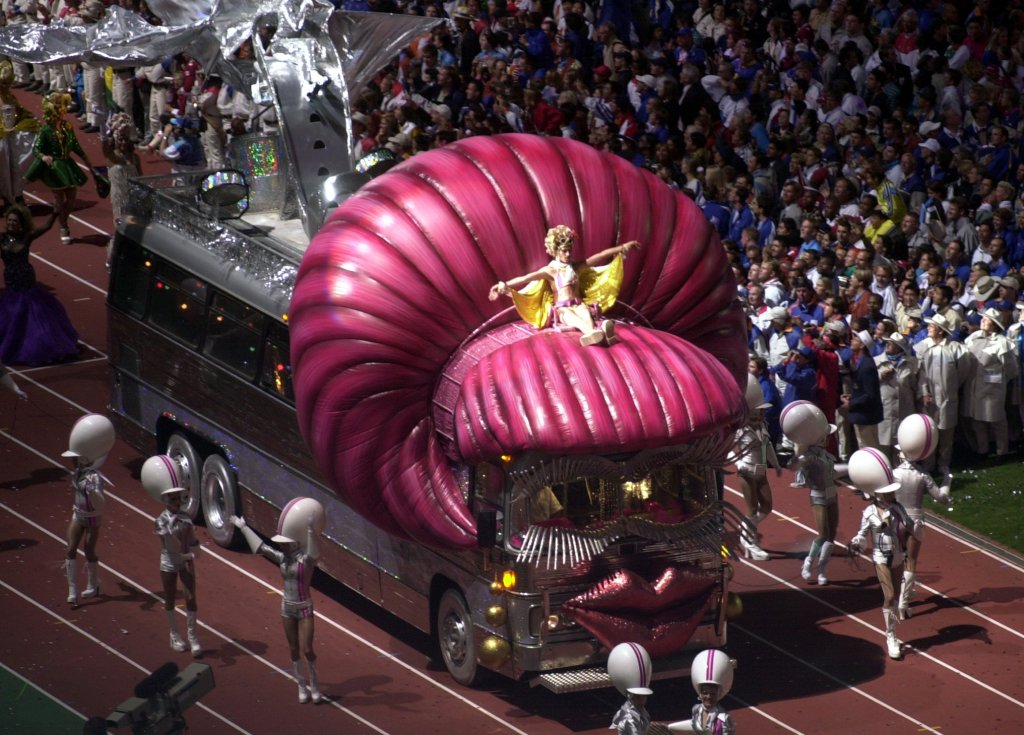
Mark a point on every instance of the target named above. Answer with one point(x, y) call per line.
point(220, 500)
point(180, 449)
point(456, 638)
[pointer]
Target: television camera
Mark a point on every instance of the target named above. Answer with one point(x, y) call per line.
point(160, 699)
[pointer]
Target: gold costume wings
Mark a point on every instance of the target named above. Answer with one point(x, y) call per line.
point(598, 285)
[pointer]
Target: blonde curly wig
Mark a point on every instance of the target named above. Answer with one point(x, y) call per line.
point(559, 236)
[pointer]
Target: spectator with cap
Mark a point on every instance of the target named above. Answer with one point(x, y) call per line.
point(1009, 287)
point(782, 337)
point(798, 374)
point(805, 309)
point(467, 37)
point(400, 144)
point(863, 403)
point(688, 52)
point(945, 366)
point(897, 377)
point(996, 365)
point(983, 293)
point(915, 330)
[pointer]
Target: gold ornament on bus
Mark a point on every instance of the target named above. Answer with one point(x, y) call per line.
point(494, 652)
point(496, 615)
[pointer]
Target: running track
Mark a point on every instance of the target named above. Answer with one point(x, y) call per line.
point(810, 659)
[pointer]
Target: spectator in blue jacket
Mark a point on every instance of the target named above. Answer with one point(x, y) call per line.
point(800, 375)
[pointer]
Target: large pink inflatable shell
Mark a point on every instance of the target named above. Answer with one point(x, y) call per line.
point(392, 294)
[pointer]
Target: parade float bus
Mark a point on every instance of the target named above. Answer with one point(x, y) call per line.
point(526, 500)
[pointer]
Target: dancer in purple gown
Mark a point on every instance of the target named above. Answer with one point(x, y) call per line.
point(34, 328)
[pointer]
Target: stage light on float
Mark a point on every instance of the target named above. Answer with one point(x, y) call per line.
point(508, 579)
point(224, 194)
point(336, 189)
point(734, 607)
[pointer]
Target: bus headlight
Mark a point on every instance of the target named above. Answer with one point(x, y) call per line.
point(508, 579)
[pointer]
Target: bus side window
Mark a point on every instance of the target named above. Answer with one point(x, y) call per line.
point(178, 304)
point(233, 334)
point(130, 277)
point(276, 375)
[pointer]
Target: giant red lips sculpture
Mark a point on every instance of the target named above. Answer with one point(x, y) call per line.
point(397, 281)
point(661, 615)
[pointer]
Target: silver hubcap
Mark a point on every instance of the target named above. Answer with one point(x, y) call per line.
point(455, 638)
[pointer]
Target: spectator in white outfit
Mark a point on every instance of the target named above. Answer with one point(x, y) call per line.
point(897, 376)
point(995, 367)
point(945, 365)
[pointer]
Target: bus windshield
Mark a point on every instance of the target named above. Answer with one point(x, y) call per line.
point(667, 495)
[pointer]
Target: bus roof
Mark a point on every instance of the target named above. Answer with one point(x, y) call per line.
point(254, 259)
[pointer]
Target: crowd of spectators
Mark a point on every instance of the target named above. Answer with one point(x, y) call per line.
point(861, 160)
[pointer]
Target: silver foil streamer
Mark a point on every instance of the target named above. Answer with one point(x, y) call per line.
point(149, 203)
point(314, 44)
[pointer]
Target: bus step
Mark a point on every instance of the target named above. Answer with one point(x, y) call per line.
point(582, 680)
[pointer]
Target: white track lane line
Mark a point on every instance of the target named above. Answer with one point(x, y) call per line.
point(210, 552)
point(869, 626)
point(45, 693)
point(107, 648)
point(384, 653)
point(920, 585)
point(856, 690)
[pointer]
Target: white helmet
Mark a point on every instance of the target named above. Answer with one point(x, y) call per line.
point(293, 523)
point(869, 470)
point(804, 423)
point(754, 395)
point(159, 474)
point(629, 667)
point(712, 667)
point(92, 437)
point(917, 437)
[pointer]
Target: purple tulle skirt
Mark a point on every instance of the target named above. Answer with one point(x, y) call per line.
point(34, 328)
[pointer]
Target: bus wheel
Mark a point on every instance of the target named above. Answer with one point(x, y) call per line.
point(220, 500)
point(181, 451)
point(456, 638)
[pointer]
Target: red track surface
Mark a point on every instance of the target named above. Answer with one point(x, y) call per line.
point(810, 659)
